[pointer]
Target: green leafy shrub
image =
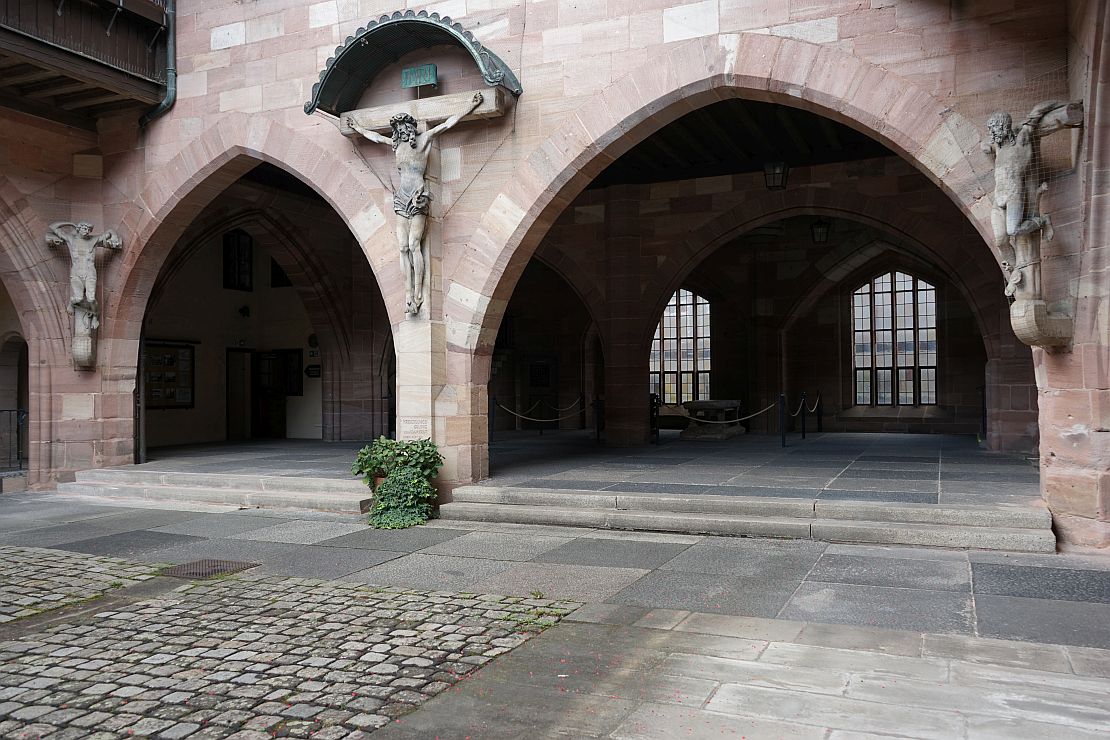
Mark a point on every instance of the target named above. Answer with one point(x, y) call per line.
point(404, 499)
point(382, 456)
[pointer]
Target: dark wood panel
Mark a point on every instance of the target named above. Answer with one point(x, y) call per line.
point(122, 35)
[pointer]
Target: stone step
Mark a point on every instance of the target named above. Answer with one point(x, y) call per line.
point(133, 476)
point(986, 527)
point(968, 516)
point(830, 530)
point(340, 499)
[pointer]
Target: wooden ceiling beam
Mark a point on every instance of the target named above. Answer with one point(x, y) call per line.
point(88, 100)
point(67, 63)
point(718, 133)
point(753, 128)
point(786, 118)
point(59, 86)
point(831, 137)
point(25, 73)
point(48, 112)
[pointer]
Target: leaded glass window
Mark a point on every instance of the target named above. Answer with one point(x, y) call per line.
point(680, 353)
point(894, 341)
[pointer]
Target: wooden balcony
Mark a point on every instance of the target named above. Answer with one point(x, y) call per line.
point(75, 60)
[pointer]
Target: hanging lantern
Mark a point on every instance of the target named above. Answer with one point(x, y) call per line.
point(774, 175)
point(820, 230)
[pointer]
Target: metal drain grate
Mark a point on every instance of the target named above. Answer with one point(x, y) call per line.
point(207, 568)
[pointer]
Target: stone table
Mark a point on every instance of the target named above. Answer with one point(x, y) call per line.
point(714, 419)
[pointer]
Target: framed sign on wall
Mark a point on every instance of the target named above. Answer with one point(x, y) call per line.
point(168, 375)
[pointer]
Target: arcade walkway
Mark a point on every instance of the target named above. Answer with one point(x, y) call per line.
point(895, 468)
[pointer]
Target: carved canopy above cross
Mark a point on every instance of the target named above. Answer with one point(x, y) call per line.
point(380, 43)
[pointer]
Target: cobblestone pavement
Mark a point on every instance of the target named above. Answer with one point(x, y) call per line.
point(34, 580)
point(255, 657)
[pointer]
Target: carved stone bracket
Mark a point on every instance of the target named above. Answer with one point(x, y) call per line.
point(1036, 326)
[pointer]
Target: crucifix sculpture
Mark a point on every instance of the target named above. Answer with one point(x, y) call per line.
point(82, 244)
point(1016, 215)
point(412, 198)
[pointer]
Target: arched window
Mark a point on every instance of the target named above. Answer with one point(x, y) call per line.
point(894, 320)
point(680, 350)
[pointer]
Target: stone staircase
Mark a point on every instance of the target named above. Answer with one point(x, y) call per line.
point(1022, 529)
point(320, 494)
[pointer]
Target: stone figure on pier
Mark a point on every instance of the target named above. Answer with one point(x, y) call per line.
point(1017, 218)
point(412, 198)
point(82, 243)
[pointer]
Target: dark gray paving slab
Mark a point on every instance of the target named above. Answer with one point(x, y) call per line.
point(1042, 583)
point(761, 564)
point(612, 553)
point(224, 549)
point(19, 524)
point(302, 532)
point(127, 544)
point(496, 709)
point(498, 545)
point(1074, 561)
point(583, 583)
point(883, 484)
point(431, 572)
point(327, 562)
point(51, 536)
point(994, 476)
point(934, 575)
point(876, 606)
point(220, 525)
point(890, 474)
point(133, 519)
point(705, 592)
point(53, 512)
point(397, 540)
point(1044, 620)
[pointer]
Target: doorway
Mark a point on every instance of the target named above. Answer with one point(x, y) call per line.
point(259, 384)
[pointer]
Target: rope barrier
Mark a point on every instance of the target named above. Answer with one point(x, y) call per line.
point(815, 405)
point(731, 421)
point(529, 418)
point(558, 410)
point(800, 404)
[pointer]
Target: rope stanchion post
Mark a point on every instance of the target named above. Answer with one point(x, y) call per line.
point(782, 418)
point(804, 410)
point(820, 416)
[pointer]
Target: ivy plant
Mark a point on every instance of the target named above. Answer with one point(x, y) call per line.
point(404, 499)
point(384, 455)
point(406, 468)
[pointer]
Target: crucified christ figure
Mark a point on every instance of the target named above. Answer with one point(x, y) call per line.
point(1016, 215)
point(82, 244)
point(412, 197)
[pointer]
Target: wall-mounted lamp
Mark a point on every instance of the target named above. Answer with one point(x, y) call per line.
point(775, 174)
point(820, 229)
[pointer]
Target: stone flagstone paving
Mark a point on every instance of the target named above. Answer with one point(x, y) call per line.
point(33, 580)
point(256, 657)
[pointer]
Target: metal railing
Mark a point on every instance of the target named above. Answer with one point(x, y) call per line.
point(13, 439)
